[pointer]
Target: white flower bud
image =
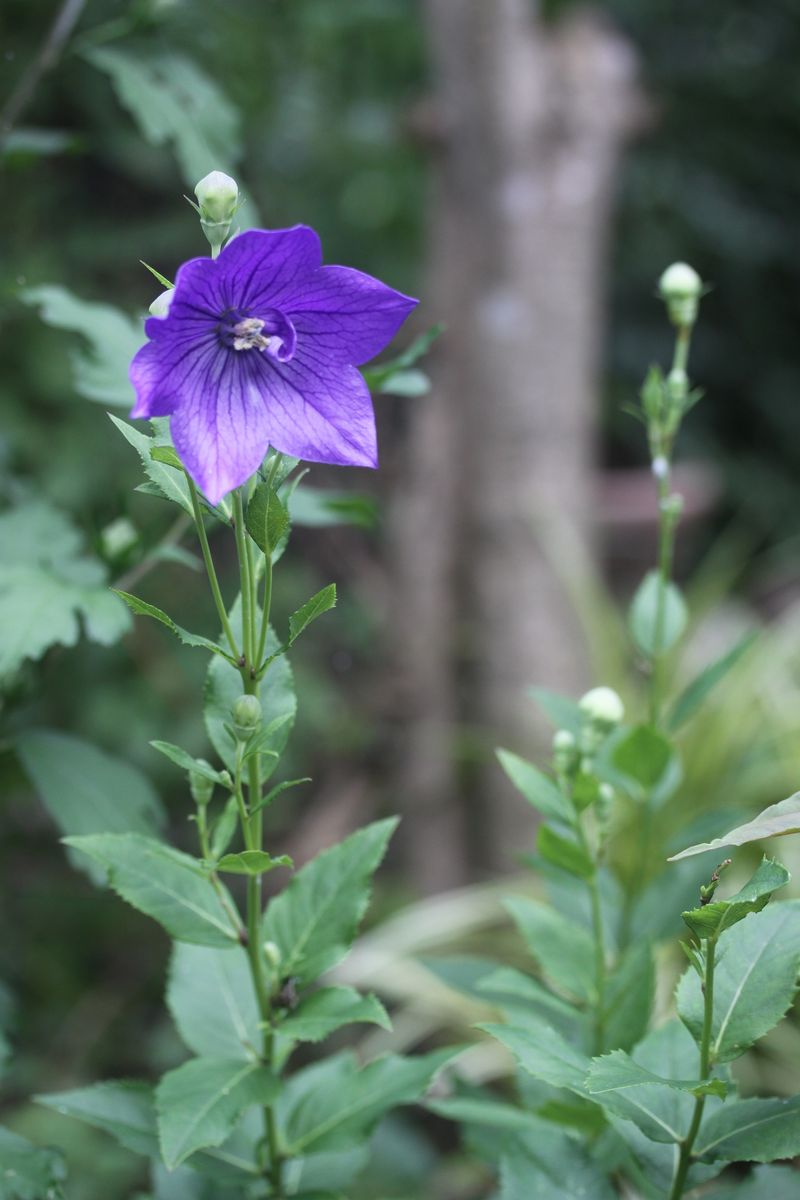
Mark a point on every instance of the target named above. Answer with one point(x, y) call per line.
point(563, 740)
point(118, 538)
point(603, 707)
point(217, 195)
point(160, 306)
point(680, 287)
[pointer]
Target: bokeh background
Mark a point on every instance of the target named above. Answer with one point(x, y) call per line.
point(528, 171)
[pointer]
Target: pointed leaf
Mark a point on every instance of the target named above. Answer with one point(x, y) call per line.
point(123, 1108)
point(776, 821)
point(314, 920)
point(252, 862)
point(142, 608)
point(171, 484)
point(322, 602)
point(544, 1054)
point(189, 763)
point(327, 1010)
point(536, 787)
point(164, 883)
point(565, 854)
point(711, 919)
point(563, 949)
point(212, 1002)
point(267, 519)
point(695, 693)
point(751, 1131)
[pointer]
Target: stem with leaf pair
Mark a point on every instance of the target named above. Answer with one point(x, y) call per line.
point(706, 1064)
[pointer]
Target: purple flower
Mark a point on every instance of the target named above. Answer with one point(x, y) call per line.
point(259, 348)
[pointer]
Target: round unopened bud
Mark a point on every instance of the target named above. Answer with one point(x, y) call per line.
point(563, 740)
point(680, 287)
point(217, 195)
point(246, 714)
point(201, 787)
point(118, 538)
point(160, 306)
point(602, 707)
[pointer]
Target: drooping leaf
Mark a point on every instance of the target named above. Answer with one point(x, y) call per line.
point(252, 862)
point(123, 1108)
point(564, 853)
point(267, 519)
point(643, 755)
point(110, 340)
point(314, 920)
point(776, 821)
point(651, 636)
point(563, 949)
point(696, 692)
point(199, 1103)
point(164, 883)
point(320, 603)
point(711, 919)
point(170, 484)
point(189, 763)
point(174, 102)
point(142, 608)
point(212, 1002)
point(755, 980)
point(49, 588)
point(328, 1009)
point(535, 786)
point(751, 1131)
point(87, 791)
point(334, 1104)
point(29, 1172)
point(545, 1054)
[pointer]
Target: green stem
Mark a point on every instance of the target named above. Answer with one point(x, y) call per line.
point(246, 584)
point(687, 1145)
point(262, 638)
point(598, 935)
point(222, 612)
point(202, 832)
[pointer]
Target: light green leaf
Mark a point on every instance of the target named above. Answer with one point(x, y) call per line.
point(711, 919)
point(323, 509)
point(251, 862)
point(776, 821)
point(409, 384)
point(122, 1108)
point(544, 1053)
point(548, 1165)
point(267, 519)
point(632, 1092)
point(751, 1131)
point(629, 994)
point(199, 1103)
point(644, 616)
point(565, 854)
point(166, 455)
point(765, 1183)
point(189, 763)
point(564, 950)
point(321, 1013)
point(696, 692)
point(377, 375)
point(276, 693)
point(164, 883)
point(110, 340)
point(334, 1104)
point(471, 1110)
point(29, 1172)
point(173, 101)
point(561, 711)
point(320, 603)
point(535, 786)
point(48, 587)
point(314, 920)
point(643, 755)
point(142, 608)
point(87, 791)
point(274, 792)
point(755, 980)
point(211, 998)
point(171, 484)
point(516, 993)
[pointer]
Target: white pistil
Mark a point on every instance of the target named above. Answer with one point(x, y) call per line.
point(247, 335)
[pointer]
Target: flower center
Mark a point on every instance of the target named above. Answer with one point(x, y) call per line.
point(272, 332)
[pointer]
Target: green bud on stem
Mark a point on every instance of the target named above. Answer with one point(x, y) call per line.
point(201, 787)
point(246, 713)
point(217, 202)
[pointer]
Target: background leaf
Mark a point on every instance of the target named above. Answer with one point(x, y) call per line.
point(776, 821)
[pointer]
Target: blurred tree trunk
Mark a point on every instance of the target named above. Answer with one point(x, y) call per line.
point(529, 125)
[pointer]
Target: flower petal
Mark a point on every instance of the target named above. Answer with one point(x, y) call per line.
point(318, 411)
point(221, 429)
point(352, 316)
point(262, 266)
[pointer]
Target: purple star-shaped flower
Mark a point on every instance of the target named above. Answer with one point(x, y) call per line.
point(259, 347)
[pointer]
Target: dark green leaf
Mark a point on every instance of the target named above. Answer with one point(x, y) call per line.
point(563, 853)
point(751, 1131)
point(629, 994)
point(274, 792)
point(643, 755)
point(252, 862)
point(320, 603)
point(267, 519)
point(122, 1108)
point(323, 509)
point(182, 759)
point(545, 1054)
point(535, 786)
point(29, 1172)
point(142, 608)
point(167, 455)
point(327, 1010)
point(171, 484)
point(695, 693)
point(711, 919)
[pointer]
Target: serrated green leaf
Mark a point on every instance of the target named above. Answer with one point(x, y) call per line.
point(564, 950)
point(188, 762)
point(29, 1172)
point(167, 455)
point(199, 1103)
point(643, 755)
point(274, 792)
point(314, 920)
point(545, 1054)
point(636, 1094)
point(123, 1108)
point(164, 883)
point(644, 614)
point(754, 983)
point(751, 1131)
point(330, 1008)
point(708, 920)
point(212, 1002)
point(776, 821)
point(87, 791)
point(320, 603)
point(629, 994)
point(251, 862)
point(696, 692)
point(334, 1104)
point(536, 787)
point(567, 855)
point(171, 484)
point(267, 519)
point(143, 609)
point(162, 279)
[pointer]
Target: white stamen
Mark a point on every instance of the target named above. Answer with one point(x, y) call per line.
point(248, 335)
